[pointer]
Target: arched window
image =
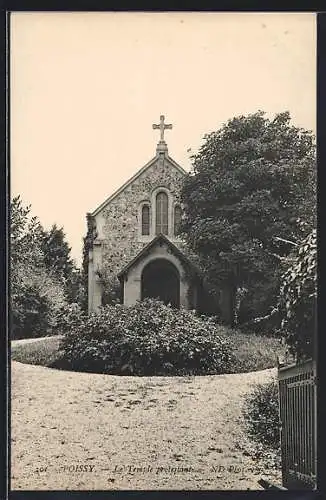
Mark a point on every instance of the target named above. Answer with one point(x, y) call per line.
point(145, 220)
point(162, 225)
point(177, 219)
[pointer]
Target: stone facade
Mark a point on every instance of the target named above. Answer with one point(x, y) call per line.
point(115, 240)
point(117, 222)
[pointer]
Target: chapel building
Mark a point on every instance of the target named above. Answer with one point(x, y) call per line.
point(133, 238)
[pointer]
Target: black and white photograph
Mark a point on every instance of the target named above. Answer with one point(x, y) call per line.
point(163, 251)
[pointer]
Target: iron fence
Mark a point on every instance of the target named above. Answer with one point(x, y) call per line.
point(298, 402)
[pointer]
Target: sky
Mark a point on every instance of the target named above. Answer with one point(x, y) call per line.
point(85, 89)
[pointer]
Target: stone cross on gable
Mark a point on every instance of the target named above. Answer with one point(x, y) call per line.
point(162, 126)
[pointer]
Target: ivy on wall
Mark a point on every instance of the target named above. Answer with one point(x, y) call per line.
point(87, 246)
point(298, 299)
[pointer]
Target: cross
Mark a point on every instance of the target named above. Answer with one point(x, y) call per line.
point(162, 126)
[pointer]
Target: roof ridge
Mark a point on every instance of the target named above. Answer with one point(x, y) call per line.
point(133, 178)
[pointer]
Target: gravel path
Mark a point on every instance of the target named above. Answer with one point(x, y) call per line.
point(79, 431)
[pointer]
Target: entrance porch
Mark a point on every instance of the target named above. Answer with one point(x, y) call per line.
point(160, 271)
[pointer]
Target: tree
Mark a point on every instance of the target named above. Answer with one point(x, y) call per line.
point(58, 260)
point(36, 294)
point(57, 252)
point(250, 194)
point(75, 287)
point(25, 236)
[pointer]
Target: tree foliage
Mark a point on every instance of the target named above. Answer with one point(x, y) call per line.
point(251, 191)
point(25, 236)
point(36, 291)
point(298, 299)
point(58, 260)
point(56, 252)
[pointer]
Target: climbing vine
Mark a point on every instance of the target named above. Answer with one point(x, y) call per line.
point(298, 297)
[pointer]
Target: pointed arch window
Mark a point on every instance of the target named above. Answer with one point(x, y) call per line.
point(145, 220)
point(162, 216)
point(177, 219)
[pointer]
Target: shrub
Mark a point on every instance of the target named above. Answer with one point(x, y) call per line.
point(261, 413)
point(30, 313)
point(111, 291)
point(148, 338)
point(254, 352)
point(70, 317)
point(36, 299)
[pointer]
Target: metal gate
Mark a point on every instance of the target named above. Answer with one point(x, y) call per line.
point(298, 414)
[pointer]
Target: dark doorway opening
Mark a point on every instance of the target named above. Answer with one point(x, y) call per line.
point(161, 280)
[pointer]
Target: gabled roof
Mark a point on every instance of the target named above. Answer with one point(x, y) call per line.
point(134, 177)
point(160, 238)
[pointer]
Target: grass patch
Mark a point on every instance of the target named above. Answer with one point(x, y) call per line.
point(43, 352)
point(252, 352)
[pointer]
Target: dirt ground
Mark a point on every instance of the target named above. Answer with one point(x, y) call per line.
point(79, 431)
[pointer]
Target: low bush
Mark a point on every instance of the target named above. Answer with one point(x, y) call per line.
point(251, 352)
point(261, 413)
point(148, 338)
point(70, 317)
point(36, 300)
point(30, 312)
point(43, 352)
point(254, 352)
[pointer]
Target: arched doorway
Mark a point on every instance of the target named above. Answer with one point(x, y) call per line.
point(160, 279)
